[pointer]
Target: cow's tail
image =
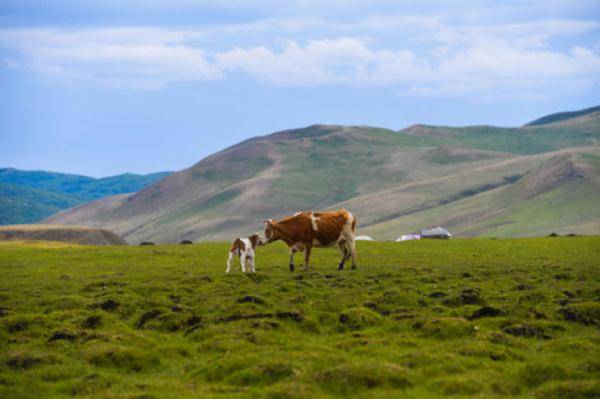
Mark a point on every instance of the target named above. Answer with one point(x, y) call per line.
point(352, 220)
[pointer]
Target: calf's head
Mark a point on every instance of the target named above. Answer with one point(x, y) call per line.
point(255, 240)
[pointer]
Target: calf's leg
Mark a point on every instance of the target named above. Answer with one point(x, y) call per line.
point(229, 262)
point(243, 261)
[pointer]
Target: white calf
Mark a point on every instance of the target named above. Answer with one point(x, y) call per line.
point(244, 248)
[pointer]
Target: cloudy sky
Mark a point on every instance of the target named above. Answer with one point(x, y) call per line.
point(102, 87)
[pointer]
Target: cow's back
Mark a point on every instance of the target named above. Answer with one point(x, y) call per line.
point(329, 225)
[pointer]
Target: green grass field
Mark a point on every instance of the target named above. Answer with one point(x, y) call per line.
point(472, 317)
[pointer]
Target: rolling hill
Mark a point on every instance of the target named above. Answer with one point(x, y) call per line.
point(563, 116)
point(477, 180)
point(30, 196)
point(56, 233)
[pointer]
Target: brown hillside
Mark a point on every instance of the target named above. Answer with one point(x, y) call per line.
point(69, 234)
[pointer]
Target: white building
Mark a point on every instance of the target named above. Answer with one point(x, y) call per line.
point(408, 237)
point(436, 232)
point(363, 238)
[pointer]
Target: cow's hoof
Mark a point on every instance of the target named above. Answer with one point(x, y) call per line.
point(291, 267)
point(353, 267)
point(341, 266)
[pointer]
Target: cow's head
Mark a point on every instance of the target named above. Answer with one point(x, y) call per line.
point(270, 232)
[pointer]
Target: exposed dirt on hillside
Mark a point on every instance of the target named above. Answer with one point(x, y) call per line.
point(70, 234)
point(549, 175)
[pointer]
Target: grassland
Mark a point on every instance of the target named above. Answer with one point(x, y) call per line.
point(476, 317)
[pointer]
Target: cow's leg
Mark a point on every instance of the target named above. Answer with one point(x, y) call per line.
point(229, 262)
point(293, 251)
point(251, 261)
point(352, 247)
point(307, 250)
point(342, 247)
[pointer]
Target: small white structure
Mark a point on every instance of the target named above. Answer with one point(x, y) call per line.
point(408, 237)
point(363, 238)
point(436, 232)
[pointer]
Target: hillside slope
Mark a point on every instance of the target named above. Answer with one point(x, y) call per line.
point(30, 196)
point(57, 233)
point(379, 174)
point(559, 194)
point(563, 116)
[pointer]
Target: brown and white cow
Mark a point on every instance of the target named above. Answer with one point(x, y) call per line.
point(305, 230)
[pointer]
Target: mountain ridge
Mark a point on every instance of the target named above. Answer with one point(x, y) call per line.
point(562, 116)
point(394, 181)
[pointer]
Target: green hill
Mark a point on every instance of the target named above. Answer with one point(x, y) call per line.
point(30, 196)
point(562, 116)
point(394, 181)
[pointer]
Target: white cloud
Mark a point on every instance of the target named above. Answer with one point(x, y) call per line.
point(320, 62)
point(144, 58)
point(425, 57)
point(479, 68)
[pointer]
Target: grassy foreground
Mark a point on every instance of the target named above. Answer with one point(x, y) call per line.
point(470, 317)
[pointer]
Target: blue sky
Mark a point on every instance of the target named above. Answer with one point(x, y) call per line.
point(106, 87)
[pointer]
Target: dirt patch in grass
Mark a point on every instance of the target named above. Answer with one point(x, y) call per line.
point(438, 294)
point(63, 335)
point(283, 315)
point(486, 311)
point(109, 305)
point(526, 330)
point(290, 315)
point(18, 325)
point(147, 316)
point(468, 296)
point(92, 322)
point(587, 313)
point(251, 299)
point(21, 360)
